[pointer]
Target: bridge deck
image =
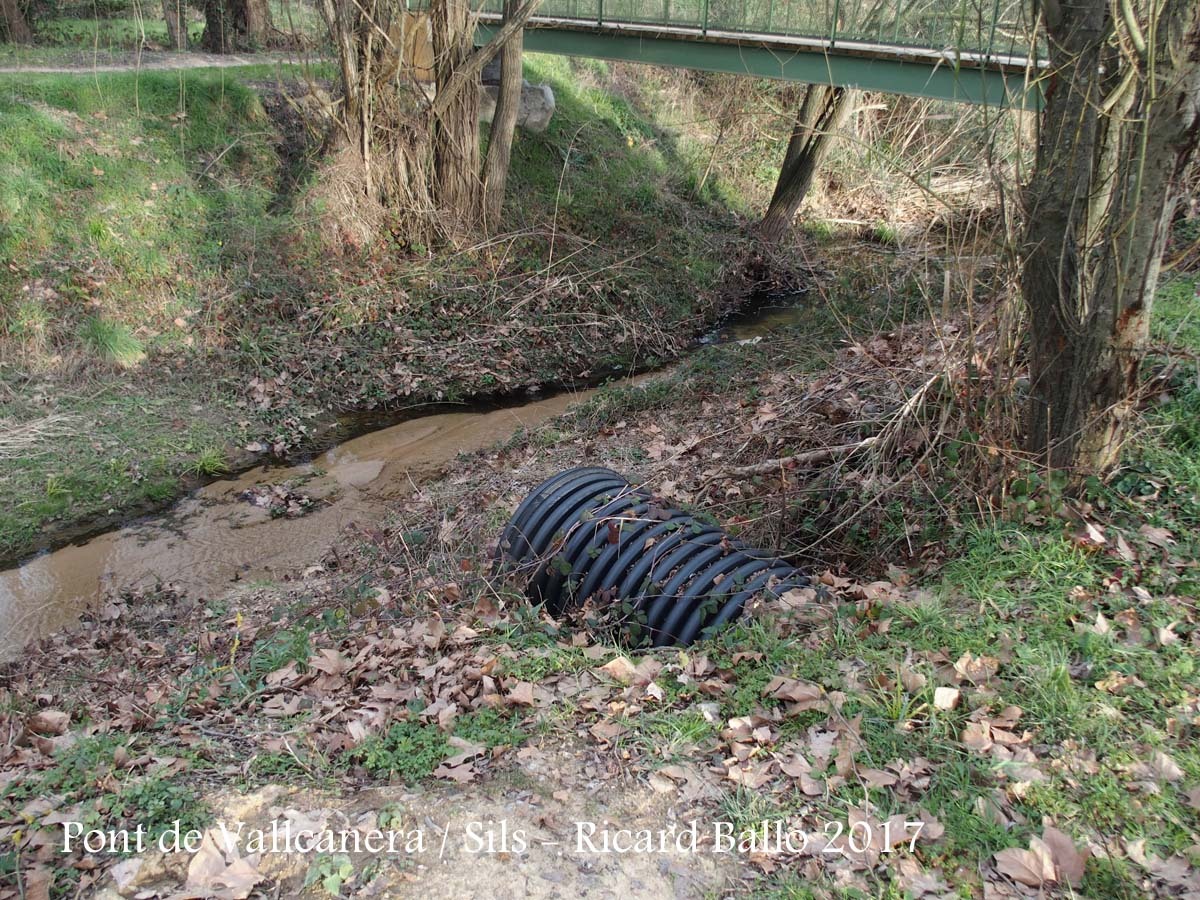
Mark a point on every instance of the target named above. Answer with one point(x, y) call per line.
point(974, 51)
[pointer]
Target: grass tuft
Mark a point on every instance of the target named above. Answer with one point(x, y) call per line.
point(112, 342)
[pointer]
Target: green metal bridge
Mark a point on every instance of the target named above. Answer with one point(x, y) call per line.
point(973, 51)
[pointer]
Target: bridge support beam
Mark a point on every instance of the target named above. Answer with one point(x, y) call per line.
point(840, 68)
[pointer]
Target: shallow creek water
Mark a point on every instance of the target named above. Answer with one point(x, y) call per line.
point(214, 536)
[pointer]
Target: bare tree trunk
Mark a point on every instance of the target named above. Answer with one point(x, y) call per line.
point(218, 28)
point(397, 152)
point(232, 25)
point(504, 123)
point(824, 111)
point(342, 21)
point(255, 22)
point(455, 128)
point(1121, 121)
point(15, 28)
point(175, 15)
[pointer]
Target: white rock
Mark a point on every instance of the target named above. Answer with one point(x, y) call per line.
point(536, 110)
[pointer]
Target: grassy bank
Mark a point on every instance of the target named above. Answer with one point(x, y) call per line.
point(165, 304)
point(119, 200)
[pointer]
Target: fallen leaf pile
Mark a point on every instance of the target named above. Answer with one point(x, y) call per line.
point(279, 500)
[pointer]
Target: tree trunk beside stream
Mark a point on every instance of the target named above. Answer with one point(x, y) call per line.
point(504, 124)
point(455, 125)
point(1121, 122)
point(823, 112)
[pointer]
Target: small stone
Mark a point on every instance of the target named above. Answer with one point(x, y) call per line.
point(946, 697)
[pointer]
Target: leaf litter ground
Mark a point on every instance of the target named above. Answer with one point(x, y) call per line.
point(1008, 715)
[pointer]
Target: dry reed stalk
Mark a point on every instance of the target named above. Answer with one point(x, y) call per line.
point(20, 439)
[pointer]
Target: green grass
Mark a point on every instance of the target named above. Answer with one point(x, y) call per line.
point(411, 750)
point(128, 445)
point(408, 751)
point(113, 342)
point(110, 33)
point(209, 462)
point(1173, 439)
point(88, 772)
point(1177, 312)
point(490, 728)
point(672, 736)
point(123, 204)
point(604, 170)
point(276, 650)
point(112, 174)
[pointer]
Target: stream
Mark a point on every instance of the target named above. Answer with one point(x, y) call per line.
point(218, 534)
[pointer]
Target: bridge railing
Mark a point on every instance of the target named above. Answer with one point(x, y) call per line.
point(992, 28)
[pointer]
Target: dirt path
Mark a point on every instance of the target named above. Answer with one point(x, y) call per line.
point(130, 61)
point(518, 835)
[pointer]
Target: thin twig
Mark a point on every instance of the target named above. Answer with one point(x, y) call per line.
point(800, 460)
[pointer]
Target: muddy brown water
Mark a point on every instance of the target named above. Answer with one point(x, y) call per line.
point(214, 536)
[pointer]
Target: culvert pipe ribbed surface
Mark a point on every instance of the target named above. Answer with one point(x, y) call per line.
point(587, 534)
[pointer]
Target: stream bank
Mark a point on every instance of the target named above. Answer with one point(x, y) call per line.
point(393, 662)
point(269, 520)
point(200, 315)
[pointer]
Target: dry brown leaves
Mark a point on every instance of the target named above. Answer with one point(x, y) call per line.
point(1051, 859)
point(217, 871)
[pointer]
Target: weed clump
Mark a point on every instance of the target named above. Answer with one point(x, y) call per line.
point(112, 342)
point(408, 751)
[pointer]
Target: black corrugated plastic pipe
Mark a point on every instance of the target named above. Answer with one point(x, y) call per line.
point(588, 534)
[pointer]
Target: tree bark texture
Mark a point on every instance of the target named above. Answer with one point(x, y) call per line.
point(823, 112)
point(13, 26)
point(175, 15)
point(233, 25)
point(455, 126)
point(504, 123)
point(1118, 129)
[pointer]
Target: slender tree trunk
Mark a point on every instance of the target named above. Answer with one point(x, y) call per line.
point(232, 25)
point(1121, 121)
point(175, 15)
point(504, 123)
point(824, 111)
point(13, 26)
point(455, 130)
